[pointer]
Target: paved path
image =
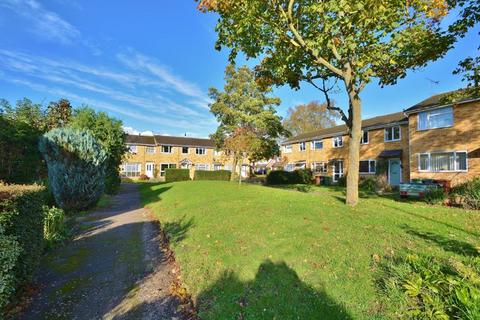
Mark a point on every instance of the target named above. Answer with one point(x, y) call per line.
point(114, 269)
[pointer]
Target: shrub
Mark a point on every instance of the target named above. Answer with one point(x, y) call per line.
point(76, 167)
point(143, 177)
point(303, 176)
point(172, 175)
point(223, 175)
point(470, 193)
point(368, 184)
point(55, 230)
point(21, 236)
point(342, 181)
point(425, 287)
point(435, 196)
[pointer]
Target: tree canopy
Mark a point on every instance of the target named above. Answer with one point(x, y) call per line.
point(309, 117)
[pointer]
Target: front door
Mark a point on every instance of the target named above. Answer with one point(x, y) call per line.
point(394, 172)
point(149, 168)
point(337, 170)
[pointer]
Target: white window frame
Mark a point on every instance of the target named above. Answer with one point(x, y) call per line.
point(362, 141)
point(201, 153)
point(341, 173)
point(170, 148)
point(336, 139)
point(169, 166)
point(217, 167)
point(136, 173)
point(429, 161)
point(289, 167)
point(323, 167)
point(302, 146)
point(188, 150)
point(436, 112)
point(217, 153)
point(205, 167)
point(313, 147)
point(393, 137)
point(287, 148)
point(132, 148)
point(152, 150)
point(369, 166)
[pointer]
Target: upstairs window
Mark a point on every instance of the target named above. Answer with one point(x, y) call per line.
point(302, 146)
point(132, 149)
point(185, 150)
point(200, 151)
point(317, 145)
point(364, 138)
point(150, 150)
point(367, 166)
point(433, 119)
point(392, 133)
point(287, 148)
point(167, 149)
point(337, 142)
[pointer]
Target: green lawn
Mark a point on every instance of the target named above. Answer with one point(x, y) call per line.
point(254, 252)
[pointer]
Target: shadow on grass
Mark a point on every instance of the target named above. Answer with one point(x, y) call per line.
point(177, 230)
point(151, 194)
point(276, 293)
point(451, 245)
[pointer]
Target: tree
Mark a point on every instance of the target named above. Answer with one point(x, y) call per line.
point(239, 145)
point(109, 133)
point(58, 114)
point(247, 105)
point(309, 117)
point(354, 42)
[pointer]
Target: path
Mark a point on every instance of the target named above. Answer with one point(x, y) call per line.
point(114, 269)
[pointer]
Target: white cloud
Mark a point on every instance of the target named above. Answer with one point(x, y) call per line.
point(131, 130)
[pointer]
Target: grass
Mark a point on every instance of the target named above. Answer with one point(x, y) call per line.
point(255, 252)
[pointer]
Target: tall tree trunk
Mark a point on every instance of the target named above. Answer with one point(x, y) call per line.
point(354, 147)
point(234, 168)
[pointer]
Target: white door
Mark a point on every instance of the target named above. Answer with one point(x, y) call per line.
point(149, 168)
point(337, 170)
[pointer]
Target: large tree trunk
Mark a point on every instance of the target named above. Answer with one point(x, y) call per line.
point(354, 147)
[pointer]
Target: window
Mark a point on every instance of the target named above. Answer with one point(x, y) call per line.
point(337, 142)
point(302, 146)
point(228, 167)
point(438, 118)
point(320, 167)
point(364, 138)
point(200, 151)
point(367, 166)
point(443, 161)
point(167, 149)
point(185, 150)
point(287, 148)
point(317, 144)
point(164, 166)
point(217, 167)
point(202, 167)
point(289, 167)
point(337, 170)
point(217, 153)
point(150, 150)
point(131, 169)
point(132, 149)
point(392, 133)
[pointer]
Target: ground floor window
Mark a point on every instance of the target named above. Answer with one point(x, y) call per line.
point(202, 167)
point(443, 161)
point(320, 167)
point(164, 166)
point(337, 169)
point(289, 167)
point(130, 170)
point(367, 166)
point(217, 167)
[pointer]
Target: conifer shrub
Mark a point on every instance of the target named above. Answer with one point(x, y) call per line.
point(76, 167)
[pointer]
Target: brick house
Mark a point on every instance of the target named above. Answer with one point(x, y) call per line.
point(151, 155)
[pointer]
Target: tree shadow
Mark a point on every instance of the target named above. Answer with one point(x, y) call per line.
point(177, 230)
point(447, 244)
point(276, 293)
point(150, 194)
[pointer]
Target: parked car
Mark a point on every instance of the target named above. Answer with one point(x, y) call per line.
point(419, 187)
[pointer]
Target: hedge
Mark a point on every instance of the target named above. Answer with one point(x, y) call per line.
point(172, 175)
point(21, 236)
point(303, 176)
point(213, 175)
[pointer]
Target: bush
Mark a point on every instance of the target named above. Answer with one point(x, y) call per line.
point(368, 184)
point(76, 167)
point(303, 176)
point(469, 193)
point(143, 177)
point(425, 287)
point(435, 196)
point(21, 236)
point(223, 175)
point(55, 230)
point(172, 175)
point(342, 181)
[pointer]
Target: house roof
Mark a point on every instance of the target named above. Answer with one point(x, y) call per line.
point(439, 100)
point(169, 140)
point(138, 139)
point(380, 121)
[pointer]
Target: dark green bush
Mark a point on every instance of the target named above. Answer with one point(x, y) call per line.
point(223, 175)
point(427, 287)
point(55, 230)
point(435, 196)
point(368, 184)
point(21, 236)
point(172, 175)
point(303, 176)
point(76, 167)
point(470, 194)
point(342, 181)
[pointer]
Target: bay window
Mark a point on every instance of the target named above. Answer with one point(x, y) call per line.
point(130, 170)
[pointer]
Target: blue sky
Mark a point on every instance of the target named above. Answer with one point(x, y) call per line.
point(150, 63)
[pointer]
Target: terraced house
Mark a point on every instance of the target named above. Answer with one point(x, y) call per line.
point(431, 140)
point(151, 155)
